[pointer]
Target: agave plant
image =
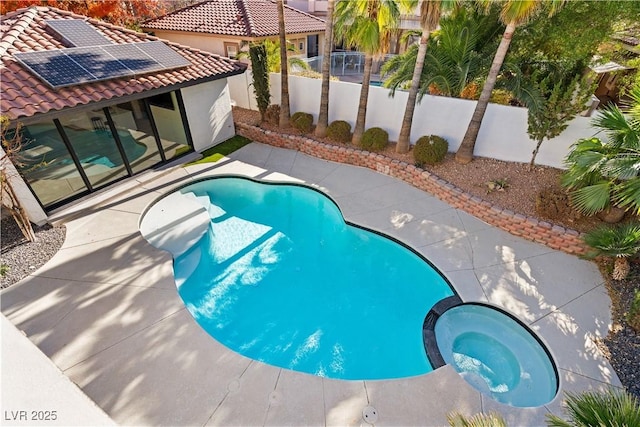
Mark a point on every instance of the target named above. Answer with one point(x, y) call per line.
point(612, 408)
point(618, 242)
point(601, 174)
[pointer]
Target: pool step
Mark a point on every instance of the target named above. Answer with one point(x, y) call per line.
point(203, 200)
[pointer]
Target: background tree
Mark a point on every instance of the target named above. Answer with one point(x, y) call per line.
point(323, 115)
point(564, 96)
point(260, 72)
point(454, 61)
point(430, 12)
point(11, 146)
point(126, 13)
point(512, 13)
point(285, 113)
point(367, 25)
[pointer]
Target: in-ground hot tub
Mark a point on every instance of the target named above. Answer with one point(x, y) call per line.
point(492, 351)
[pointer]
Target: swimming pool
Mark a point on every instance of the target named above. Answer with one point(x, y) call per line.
point(273, 271)
point(281, 278)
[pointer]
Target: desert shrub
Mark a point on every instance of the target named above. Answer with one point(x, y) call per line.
point(374, 139)
point(302, 121)
point(604, 409)
point(272, 115)
point(339, 131)
point(429, 150)
point(633, 316)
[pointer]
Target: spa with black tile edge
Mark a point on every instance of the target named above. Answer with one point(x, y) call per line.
point(434, 353)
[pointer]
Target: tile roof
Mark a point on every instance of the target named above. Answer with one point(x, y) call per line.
point(243, 18)
point(24, 94)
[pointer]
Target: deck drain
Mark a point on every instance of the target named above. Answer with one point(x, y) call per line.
point(370, 414)
point(275, 398)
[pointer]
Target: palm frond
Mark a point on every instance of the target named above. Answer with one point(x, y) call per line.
point(627, 195)
point(592, 199)
point(609, 409)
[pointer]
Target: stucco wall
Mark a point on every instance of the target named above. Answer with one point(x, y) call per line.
point(198, 41)
point(503, 134)
point(208, 110)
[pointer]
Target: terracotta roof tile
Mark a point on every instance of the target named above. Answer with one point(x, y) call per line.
point(23, 94)
point(244, 18)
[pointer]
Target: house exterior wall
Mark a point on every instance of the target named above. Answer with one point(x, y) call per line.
point(208, 110)
point(503, 134)
point(208, 43)
point(26, 198)
point(217, 44)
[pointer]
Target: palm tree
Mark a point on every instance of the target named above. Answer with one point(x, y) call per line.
point(618, 242)
point(284, 72)
point(430, 12)
point(601, 174)
point(323, 115)
point(609, 409)
point(513, 13)
point(367, 25)
point(453, 62)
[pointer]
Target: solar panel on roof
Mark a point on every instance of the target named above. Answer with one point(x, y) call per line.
point(133, 58)
point(54, 67)
point(99, 63)
point(77, 32)
point(67, 67)
point(162, 53)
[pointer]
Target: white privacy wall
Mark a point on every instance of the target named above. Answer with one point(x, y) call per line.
point(503, 134)
point(208, 110)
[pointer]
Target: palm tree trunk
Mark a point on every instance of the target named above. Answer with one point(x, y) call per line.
point(284, 68)
point(358, 130)
point(620, 268)
point(465, 151)
point(323, 115)
point(404, 140)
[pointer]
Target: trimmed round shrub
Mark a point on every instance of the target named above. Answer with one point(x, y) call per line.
point(339, 131)
point(374, 139)
point(302, 121)
point(430, 150)
point(272, 115)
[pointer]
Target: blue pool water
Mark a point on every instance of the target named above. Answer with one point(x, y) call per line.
point(281, 278)
point(496, 355)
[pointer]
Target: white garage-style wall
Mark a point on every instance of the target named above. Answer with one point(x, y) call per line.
point(208, 110)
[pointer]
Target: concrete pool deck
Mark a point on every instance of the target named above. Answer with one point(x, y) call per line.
point(105, 310)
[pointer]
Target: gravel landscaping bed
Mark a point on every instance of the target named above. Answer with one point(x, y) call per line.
point(22, 257)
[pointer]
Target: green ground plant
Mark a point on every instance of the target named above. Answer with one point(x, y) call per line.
point(633, 316)
point(225, 148)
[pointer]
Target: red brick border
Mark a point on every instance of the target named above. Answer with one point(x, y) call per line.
point(530, 228)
